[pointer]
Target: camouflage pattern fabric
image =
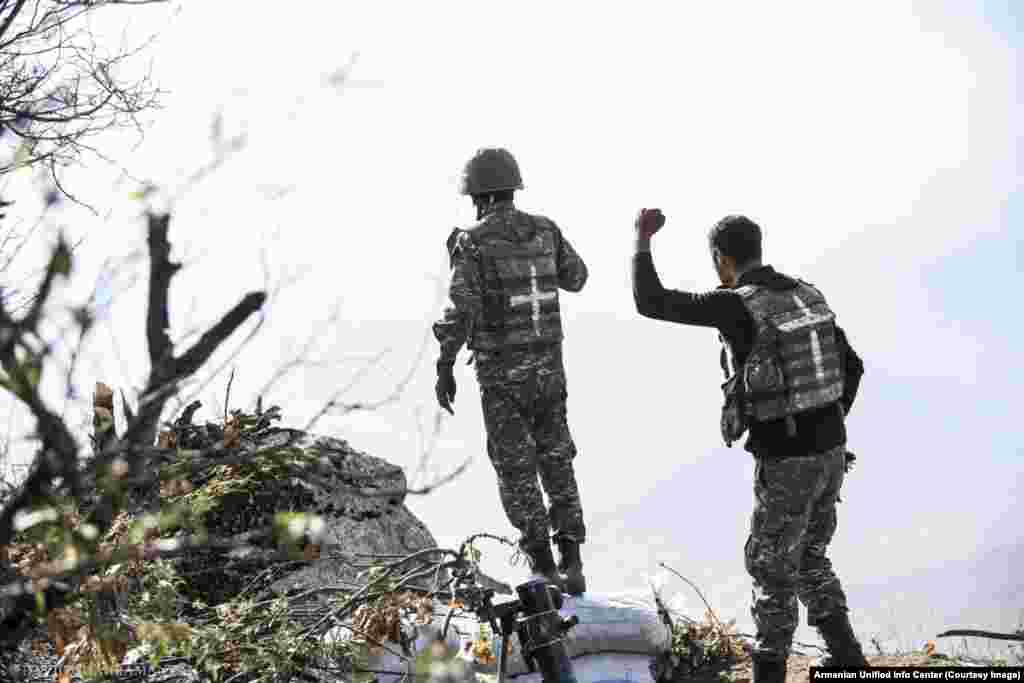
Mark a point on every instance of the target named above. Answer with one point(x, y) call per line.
point(795, 365)
point(793, 522)
point(465, 310)
point(524, 405)
point(523, 391)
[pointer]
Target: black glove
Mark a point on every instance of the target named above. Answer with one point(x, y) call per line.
point(445, 386)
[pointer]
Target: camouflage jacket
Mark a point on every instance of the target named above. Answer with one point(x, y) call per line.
point(465, 310)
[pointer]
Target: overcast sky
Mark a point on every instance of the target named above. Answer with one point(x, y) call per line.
point(879, 148)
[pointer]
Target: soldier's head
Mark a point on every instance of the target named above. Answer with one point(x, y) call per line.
point(491, 175)
point(735, 243)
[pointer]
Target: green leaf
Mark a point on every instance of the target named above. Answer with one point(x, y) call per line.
point(61, 261)
point(21, 156)
point(283, 529)
point(34, 372)
point(143, 192)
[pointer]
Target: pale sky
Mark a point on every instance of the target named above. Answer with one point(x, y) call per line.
point(878, 147)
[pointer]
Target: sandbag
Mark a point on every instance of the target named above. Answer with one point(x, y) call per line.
point(608, 626)
point(615, 640)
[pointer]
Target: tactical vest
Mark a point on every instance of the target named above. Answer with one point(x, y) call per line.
point(794, 365)
point(520, 286)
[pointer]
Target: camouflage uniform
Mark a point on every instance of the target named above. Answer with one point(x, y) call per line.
point(801, 458)
point(522, 383)
point(792, 525)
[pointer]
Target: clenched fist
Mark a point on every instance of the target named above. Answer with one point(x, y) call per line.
point(648, 222)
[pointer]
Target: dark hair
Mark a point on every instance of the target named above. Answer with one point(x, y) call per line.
point(737, 237)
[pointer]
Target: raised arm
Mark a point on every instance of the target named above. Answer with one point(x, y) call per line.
point(720, 308)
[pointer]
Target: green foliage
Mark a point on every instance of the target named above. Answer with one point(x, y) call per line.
point(158, 599)
point(294, 530)
point(25, 376)
point(472, 554)
point(262, 471)
point(60, 263)
point(709, 646)
point(23, 154)
point(143, 192)
point(255, 638)
point(264, 639)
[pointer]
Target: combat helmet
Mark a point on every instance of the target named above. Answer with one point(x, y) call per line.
point(491, 169)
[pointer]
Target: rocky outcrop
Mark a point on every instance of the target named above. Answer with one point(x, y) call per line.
point(359, 497)
point(237, 478)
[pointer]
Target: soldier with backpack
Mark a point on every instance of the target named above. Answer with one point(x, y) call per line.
point(791, 380)
point(507, 269)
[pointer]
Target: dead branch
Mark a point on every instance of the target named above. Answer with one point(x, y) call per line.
point(104, 432)
point(694, 587)
point(58, 88)
point(301, 358)
point(158, 549)
point(167, 371)
point(161, 270)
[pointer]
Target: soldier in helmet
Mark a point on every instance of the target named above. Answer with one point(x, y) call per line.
point(507, 269)
point(792, 381)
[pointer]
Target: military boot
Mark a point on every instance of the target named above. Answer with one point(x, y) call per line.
point(542, 562)
point(570, 566)
point(842, 644)
point(768, 670)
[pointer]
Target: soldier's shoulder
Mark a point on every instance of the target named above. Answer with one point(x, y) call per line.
point(805, 283)
point(541, 221)
point(808, 285)
point(460, 241)
point(483, 226)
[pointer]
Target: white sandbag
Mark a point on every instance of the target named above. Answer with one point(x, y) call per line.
point(614, 625)
point(608, 625)
point(615, 640)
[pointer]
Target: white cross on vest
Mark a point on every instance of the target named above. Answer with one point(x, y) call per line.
point(807, 319)
point(534, 298)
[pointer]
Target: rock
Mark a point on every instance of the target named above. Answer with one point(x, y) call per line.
point(357, 525)
point(359, 497)
point(345, 489)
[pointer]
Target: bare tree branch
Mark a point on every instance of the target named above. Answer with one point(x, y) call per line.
point(166, 370)
point(10, 17)
point(227, 394)
point(59, 88)
point(196, 356)
point(161, 270)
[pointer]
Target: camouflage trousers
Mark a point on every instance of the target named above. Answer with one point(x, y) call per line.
point(524, 406)
point(793, 522)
